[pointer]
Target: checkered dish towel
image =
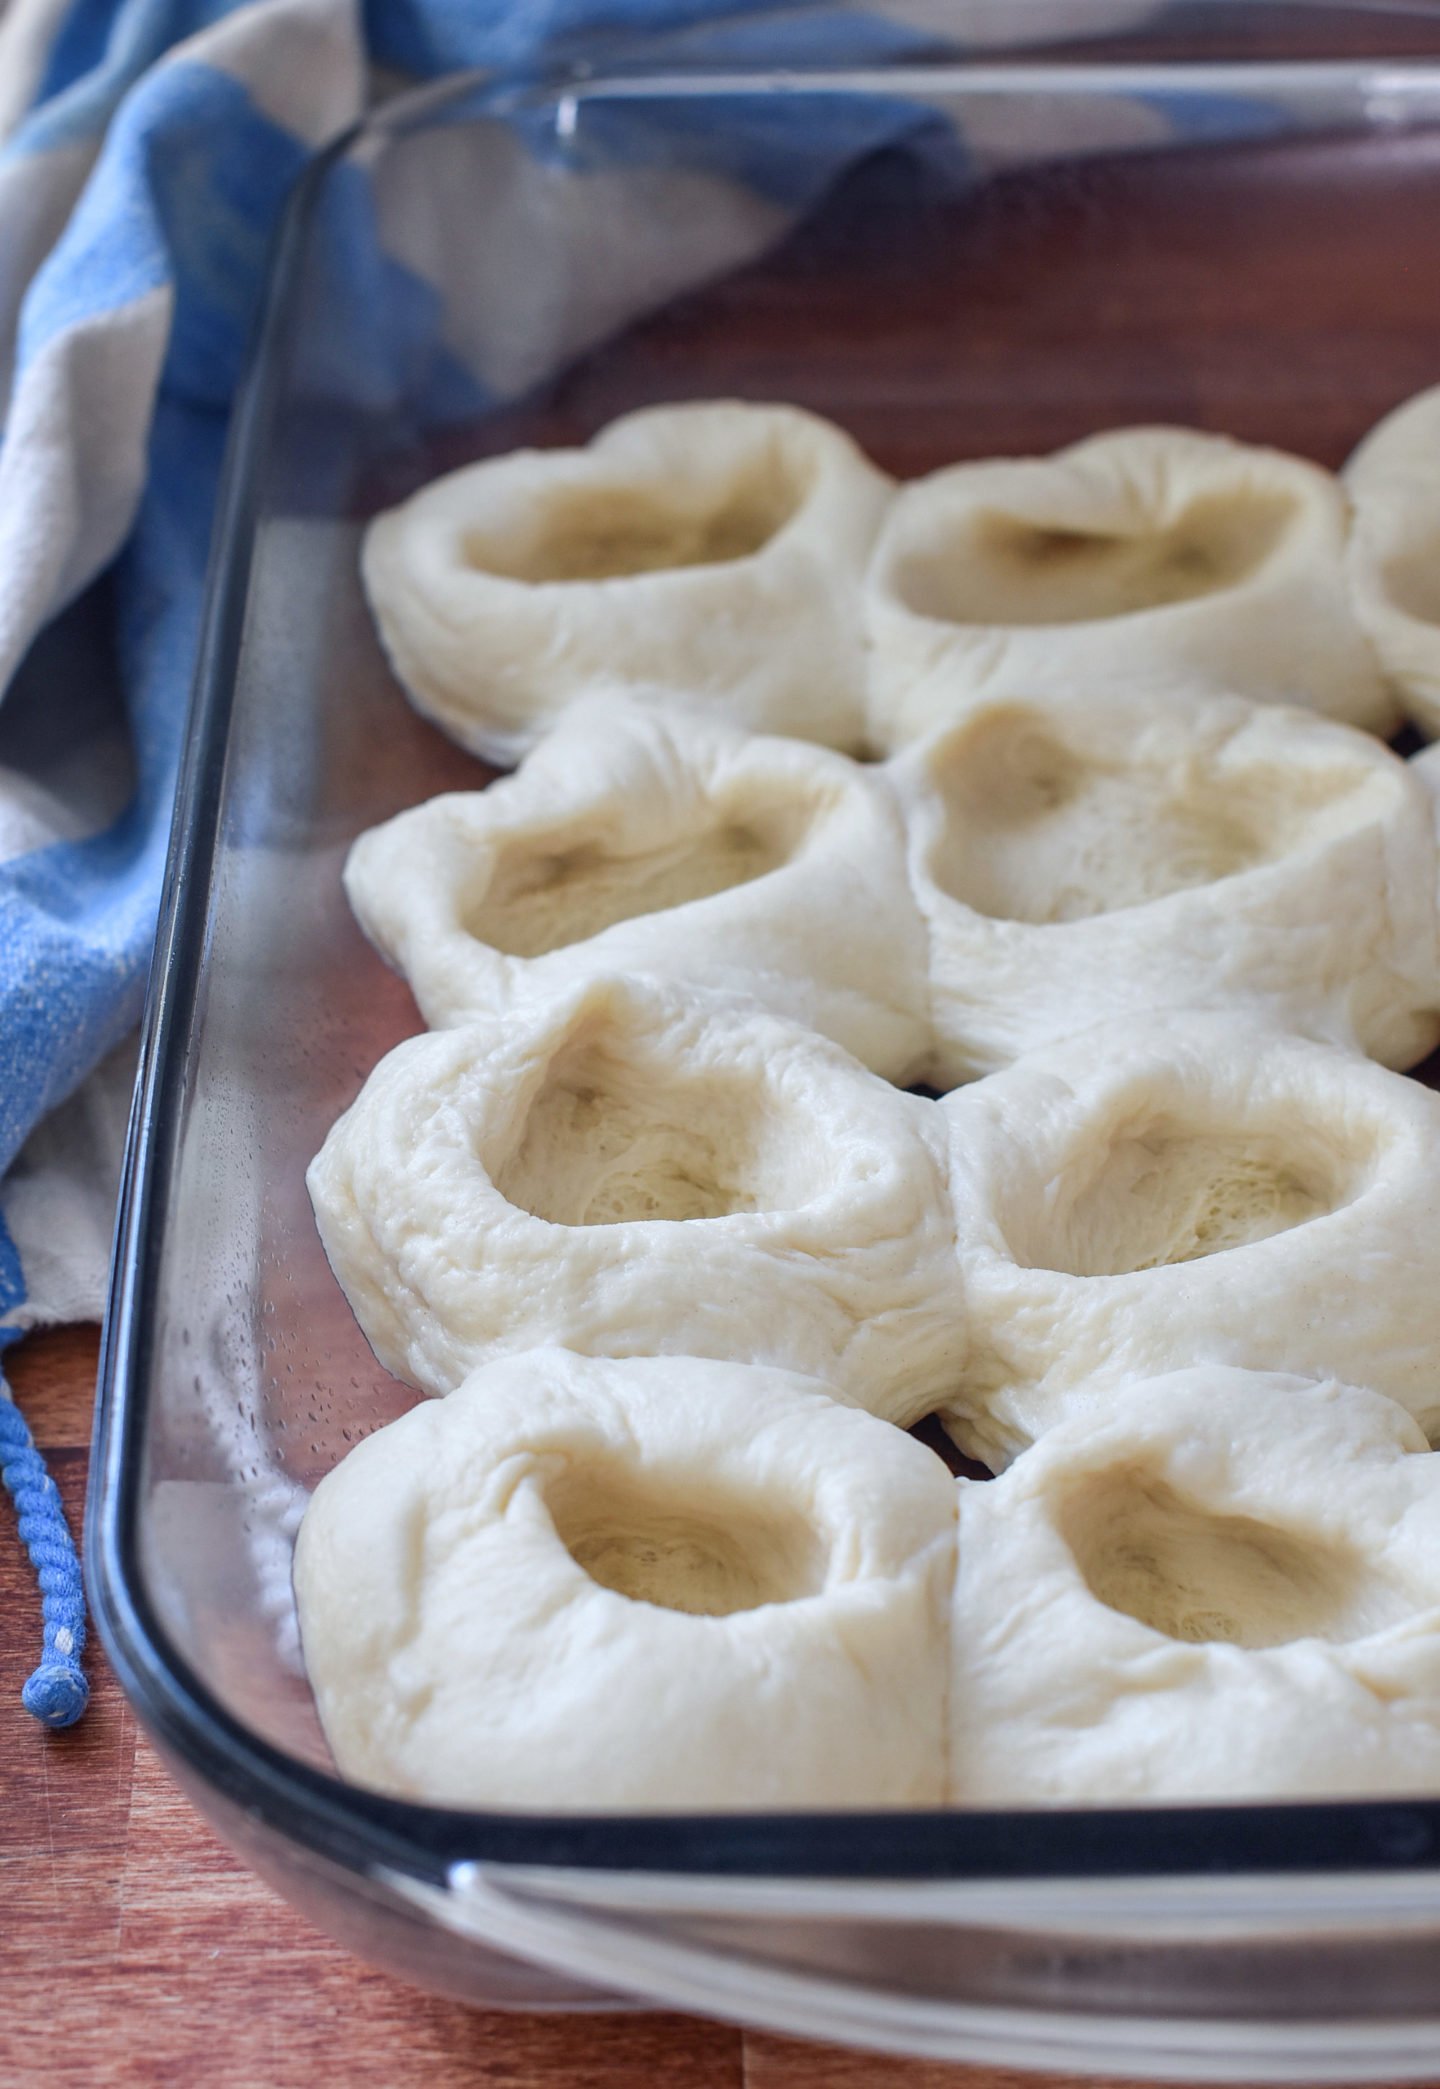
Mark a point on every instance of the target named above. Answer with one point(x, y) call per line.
point(146, 147)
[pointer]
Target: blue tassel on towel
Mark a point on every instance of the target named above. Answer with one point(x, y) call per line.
point(57, 1692)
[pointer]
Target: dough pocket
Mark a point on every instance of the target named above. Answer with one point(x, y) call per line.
point(1154, 1195)
point(1218, 1583)
point(1142, 558)
point(1393, 481)
point(662, 1583)
point(1107, 855)
point(716, 548)
point(636, 1168)
point(642, 838)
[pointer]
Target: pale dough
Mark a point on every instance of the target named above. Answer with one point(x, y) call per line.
point(1140, 559)
point(1220, 1584)
point(1088, 857)
point(655, 1567)
point(640, 839)
point(1393, 481)
point(578, 1585)
point(1190, 1190)
point(716, 549)
point(637, 1168)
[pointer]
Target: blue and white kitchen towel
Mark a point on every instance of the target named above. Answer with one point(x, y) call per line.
point(145, 149)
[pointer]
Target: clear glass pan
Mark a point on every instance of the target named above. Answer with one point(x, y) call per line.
point(951, 260)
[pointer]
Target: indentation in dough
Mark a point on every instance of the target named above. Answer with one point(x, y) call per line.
point(1173, 1192)
point(542, 896)
point(1193, 1575)
point(1412, 578)
point(1002, 569)
point(613, 1136)
point(1039, 829)
point(707, 1554)
point(614, 532)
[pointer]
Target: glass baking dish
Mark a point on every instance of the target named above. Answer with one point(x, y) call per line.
point(950, 258)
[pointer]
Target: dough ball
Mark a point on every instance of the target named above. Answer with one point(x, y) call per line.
point(1196, 1189)
point(715, 548)
point(636, 839)
point(1143, 558)
point(635, 1168)
point(1078, 860)
point(1394, 485)
point(1221, 1584)
point(662, 1583)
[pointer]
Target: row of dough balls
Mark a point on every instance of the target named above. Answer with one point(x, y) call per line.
point(752, 557)
point(670, 1583)
point(631, 1168)
point(634, 1168)
point(1008, 881)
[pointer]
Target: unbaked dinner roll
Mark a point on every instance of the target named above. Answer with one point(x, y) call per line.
point(716, 549)
point(1393, 481)
point(1101, 855)
point(1225, 1585)
point(577, 1585)
point(639, 840)
point(635, 1168)
point(1190, 1190)
point(1141, 558)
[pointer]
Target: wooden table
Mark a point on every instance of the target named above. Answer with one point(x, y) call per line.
point(134, 1948)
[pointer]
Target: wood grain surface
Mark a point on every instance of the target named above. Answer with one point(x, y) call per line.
point(135, 1949)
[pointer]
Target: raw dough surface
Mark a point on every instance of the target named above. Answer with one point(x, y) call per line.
point(643, 839)
point(656, 1567)
point(580, 1585)
point(640, 1169)
point(714, 548)
point(1219, 1584)
point(1080, 859)
point(1143, 558)
point(1393, 481)
point(1196, 1189)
